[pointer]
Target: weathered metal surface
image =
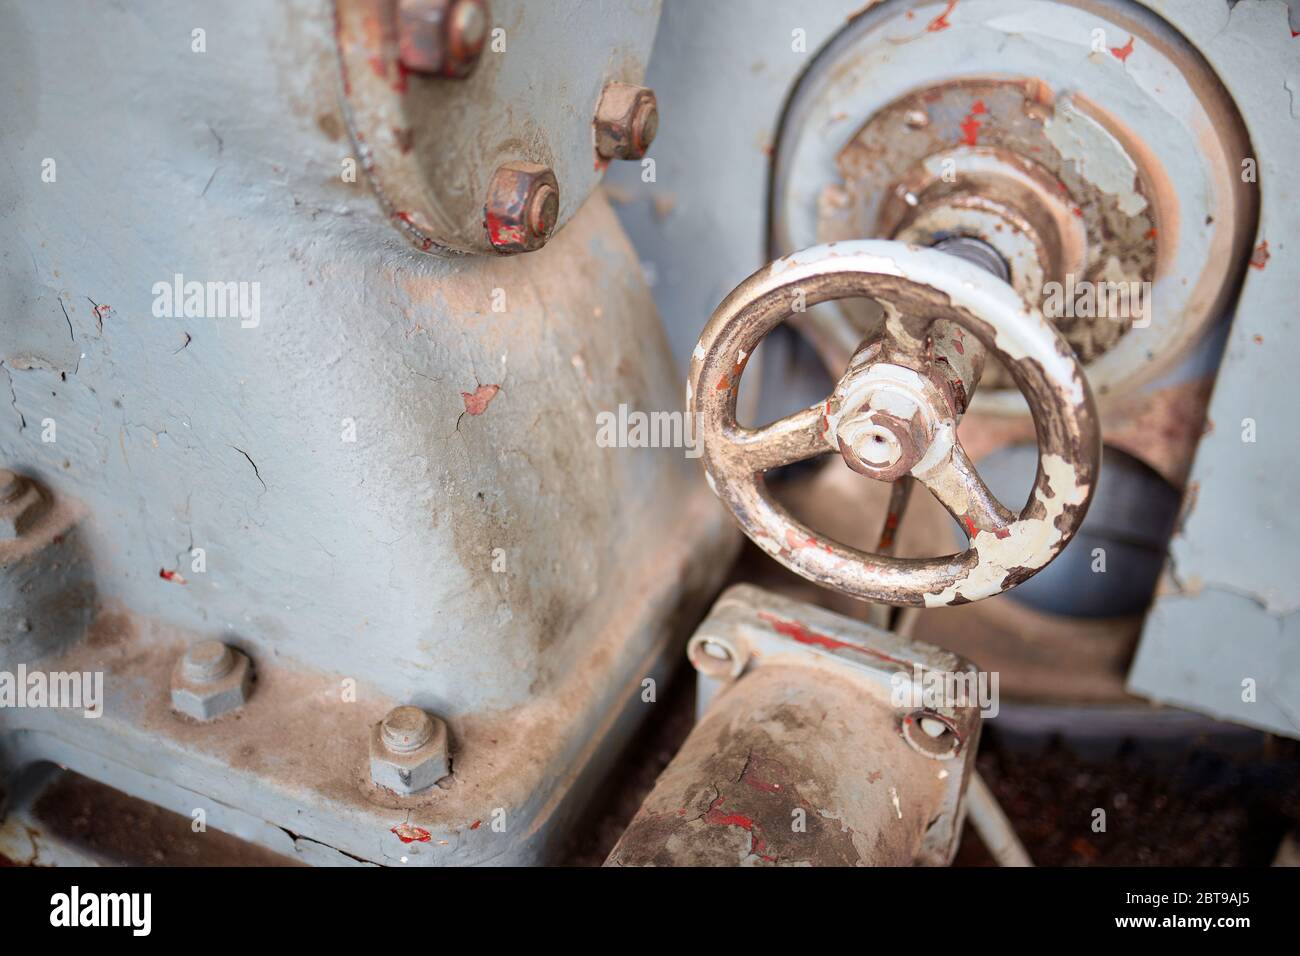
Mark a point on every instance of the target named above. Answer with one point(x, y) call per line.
point(930, 297)
point(807, 757)
point(1084, 138)
point(1224, 636)
point(471, 552)
point(430, 145)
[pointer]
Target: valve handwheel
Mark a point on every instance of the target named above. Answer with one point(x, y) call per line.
point(894, 414)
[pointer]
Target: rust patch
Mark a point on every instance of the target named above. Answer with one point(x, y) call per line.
point(1259, 258)
point(477, 401)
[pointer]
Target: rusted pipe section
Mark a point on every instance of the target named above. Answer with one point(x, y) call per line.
point(791, 765)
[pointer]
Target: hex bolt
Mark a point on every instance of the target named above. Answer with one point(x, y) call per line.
point(21, 505)
point(208, 661)
point(211, 679)
point(442, 37)
point(627, 119)
point(522, 207)
point(405, 729)
point(409, 751)
point(10, 485)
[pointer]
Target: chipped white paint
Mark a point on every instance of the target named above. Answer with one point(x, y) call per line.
point(1029, 542)
point(893, 797)
point(1096, 154)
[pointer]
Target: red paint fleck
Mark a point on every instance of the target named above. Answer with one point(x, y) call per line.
point(724, 383)
point(101, 311)
point(970, 525)
point(168, 575)
point(1003, 532)
point(476, 402)
point(801, 634)
point(1151, 233)
point(795, 630)
point(402, 73)
point(978, 107)
point(501, 233)
point(1077, 211)
point(891, 526)
point(970, 128)
point(716, 817)
point(1259, 259)
point(476, 824)
point(1121, 52)
point(601, 164)
point(794, 542)
point(941, 21)
point(378, 66)
point(409, 833)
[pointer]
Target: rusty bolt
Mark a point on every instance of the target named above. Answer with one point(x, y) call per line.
point(409, 751)
point(441, 37)
point(21, 504)
point(523, 204)
point(211, 679)
point(627, 119)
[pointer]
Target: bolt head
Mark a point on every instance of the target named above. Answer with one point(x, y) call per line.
point(21, 505)
point(405, 729)
point(408, 771)
point(202, 697)
point(10, 484)
point(627, 119)
point(442, 37)
point(522, 208)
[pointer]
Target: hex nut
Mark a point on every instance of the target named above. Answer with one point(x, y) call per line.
point(409, 751)
point(522, 207)
point(21, 505)
point(442, 37)
point(627, 119)
point(211, 679)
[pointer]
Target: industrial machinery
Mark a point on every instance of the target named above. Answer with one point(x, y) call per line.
point(352, 513)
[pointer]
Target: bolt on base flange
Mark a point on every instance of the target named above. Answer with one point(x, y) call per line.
point(21, 505)
point(409, 750)
point(211, 679)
